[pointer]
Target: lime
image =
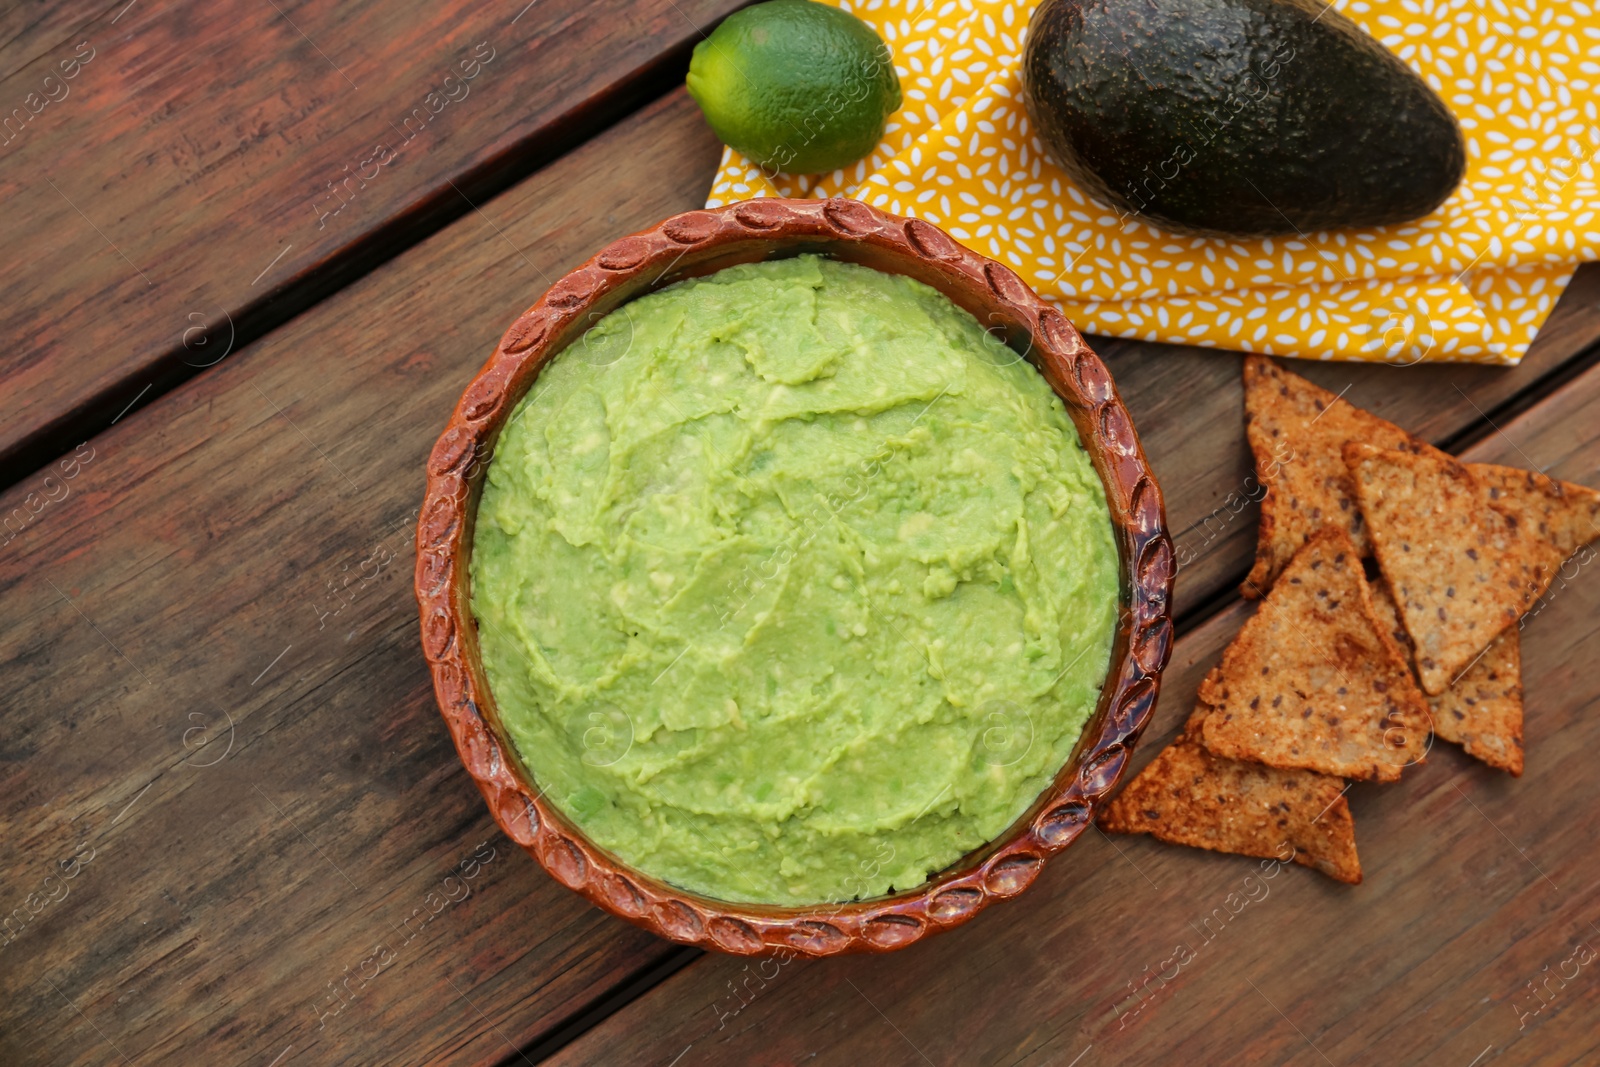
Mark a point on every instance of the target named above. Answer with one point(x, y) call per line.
point(796, 86)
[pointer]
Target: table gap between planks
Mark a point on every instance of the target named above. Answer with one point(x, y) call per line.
point(182, 177)
point(216, 690)
point(28, 31)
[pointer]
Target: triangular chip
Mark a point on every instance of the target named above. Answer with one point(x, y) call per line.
point(1561, 516)
point(1296, 431)
point(1482, 712)
point(1457, 564)
point(1312, 681)
point(1189, 796)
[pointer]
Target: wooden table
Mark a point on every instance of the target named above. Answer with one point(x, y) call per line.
point(234, 827)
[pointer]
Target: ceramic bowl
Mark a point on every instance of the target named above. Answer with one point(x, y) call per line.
point(697, 243)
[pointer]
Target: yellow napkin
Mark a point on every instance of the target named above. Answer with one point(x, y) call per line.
point(1471, 282)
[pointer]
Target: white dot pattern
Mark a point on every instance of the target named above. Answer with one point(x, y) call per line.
point(1471, 282)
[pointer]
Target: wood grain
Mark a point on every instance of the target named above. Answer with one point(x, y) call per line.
point(1476, 882)
point(217, 715)
point(212, 169)
point(238, 552)
point(29, 28)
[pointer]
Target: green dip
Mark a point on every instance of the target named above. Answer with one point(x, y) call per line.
point(793, 585)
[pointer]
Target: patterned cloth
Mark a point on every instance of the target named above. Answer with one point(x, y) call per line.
point(1471, 282)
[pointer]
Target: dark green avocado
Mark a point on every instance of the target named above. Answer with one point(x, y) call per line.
point(1245, 118)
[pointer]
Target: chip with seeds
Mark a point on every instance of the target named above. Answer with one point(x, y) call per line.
point(1457, 563)
point(1561, 516)
point(1312, 681)
point(1189, 796)
point(1482, 712)
point(1296, 431)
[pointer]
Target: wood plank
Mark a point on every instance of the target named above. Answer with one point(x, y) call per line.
point(28, 30)
point(214, 168)
point(184, 534)
point(217, 716)
point(1476, 883)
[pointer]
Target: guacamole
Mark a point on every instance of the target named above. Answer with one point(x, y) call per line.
point(793, 585)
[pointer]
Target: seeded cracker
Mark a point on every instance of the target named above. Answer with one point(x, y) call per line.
point(1482, 712)
point(1189, 796)
point(1313, 681)
point(1296, 431)
point(1559, 515)
point(1459, 568)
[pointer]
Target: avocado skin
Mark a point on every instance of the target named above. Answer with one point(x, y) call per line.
point(1240, 118)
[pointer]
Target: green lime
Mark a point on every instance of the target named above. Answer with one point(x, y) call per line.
point(798, 87)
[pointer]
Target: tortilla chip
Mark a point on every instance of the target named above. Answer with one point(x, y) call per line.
point(1387, 612)
point(1458, 566)
point(1189, 796)
point(1312, 681)
point(1296, 432)
point(1560, 516)
point(1482, 711)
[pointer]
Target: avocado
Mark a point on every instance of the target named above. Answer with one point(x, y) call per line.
point(1240, 118)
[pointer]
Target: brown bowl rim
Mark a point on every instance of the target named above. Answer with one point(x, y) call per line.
point(699, 242)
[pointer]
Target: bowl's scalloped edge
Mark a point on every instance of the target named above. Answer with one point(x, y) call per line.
point(1145, 630)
